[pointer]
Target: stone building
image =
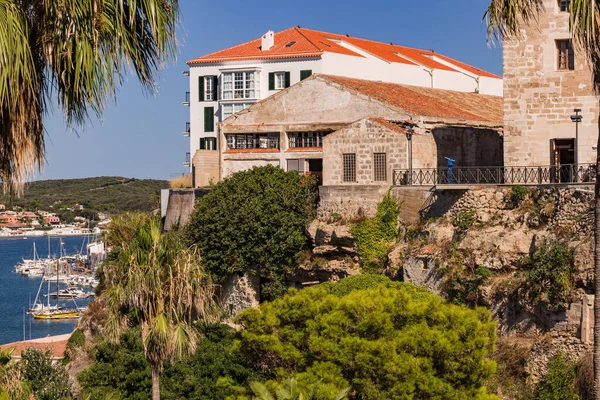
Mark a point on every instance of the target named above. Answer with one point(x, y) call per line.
point(230, 80)
point(352, 131)
point(545, 80)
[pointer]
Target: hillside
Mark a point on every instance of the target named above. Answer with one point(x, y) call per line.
point(108, 194)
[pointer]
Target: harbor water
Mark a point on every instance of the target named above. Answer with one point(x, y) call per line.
point(18, 292)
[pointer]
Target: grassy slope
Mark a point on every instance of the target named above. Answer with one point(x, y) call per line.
point(108, 194)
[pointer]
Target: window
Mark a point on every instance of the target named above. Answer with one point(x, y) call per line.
point(565, 55)
point(240, 85)
point(279, 80)
point(207, 88)
point(306, 139)
point(379, 167)
point(209, 119)
point(305, 74)
point(253, 141)
point(208, 143)
point(564, 5)
point(349, 161)
point(230, 109)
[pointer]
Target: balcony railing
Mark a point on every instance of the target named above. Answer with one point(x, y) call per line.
point(548, 174)
point(187, 130)
point(186, 163)
point(187, 99)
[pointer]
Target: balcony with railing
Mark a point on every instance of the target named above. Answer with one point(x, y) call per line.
point(540, 175)
point(187, 131)
point(187, 99)
point(186, 163)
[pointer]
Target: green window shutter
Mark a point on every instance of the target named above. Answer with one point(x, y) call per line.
point(271, 80)
point(287, 79)
point(215, 87)
point(305, 74)
point(201, 88)
point(202, 144)
point(209, 119)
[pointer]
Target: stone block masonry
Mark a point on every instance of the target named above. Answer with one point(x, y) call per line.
point(539, 98)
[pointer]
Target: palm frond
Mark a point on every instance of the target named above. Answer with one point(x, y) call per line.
point(504, 18)
point(260, 391)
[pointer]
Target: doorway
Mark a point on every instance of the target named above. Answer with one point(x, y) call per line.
point(563, 160)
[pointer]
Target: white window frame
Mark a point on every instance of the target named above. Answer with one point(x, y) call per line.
point(279, 80)
point(208, 88)
point(240, 85)
point(232, 108)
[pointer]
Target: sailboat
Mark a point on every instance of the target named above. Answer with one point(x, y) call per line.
point(53, 311)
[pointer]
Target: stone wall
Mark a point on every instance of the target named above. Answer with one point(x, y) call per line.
point(239, 293)
point(469, 147)
point(363, 138)
point(205, 167)
point(539, 99)
point(180, 206)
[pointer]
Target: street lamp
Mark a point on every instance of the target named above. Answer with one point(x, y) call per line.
point(409, 135)
point(577, 119)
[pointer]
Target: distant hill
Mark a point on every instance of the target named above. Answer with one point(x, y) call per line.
point(109, 194)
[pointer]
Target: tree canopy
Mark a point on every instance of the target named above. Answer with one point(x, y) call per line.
point(254, 220)
point(386, 340)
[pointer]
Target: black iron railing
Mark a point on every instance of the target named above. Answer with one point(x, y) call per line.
point(548, 174)
point(186, 102)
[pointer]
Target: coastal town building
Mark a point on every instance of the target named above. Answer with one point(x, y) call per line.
point(545, 81)
point(355, 131)
point(228, 81)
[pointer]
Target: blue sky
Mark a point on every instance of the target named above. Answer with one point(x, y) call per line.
point(140, 136)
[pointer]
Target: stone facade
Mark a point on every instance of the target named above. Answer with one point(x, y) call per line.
point(539, 98)
point(205, 169)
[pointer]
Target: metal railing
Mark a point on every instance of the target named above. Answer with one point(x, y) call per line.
point(187, 99)
point(186, 163)
point(187, 130)
point(548, 174)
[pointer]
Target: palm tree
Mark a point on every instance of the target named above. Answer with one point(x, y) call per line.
point(291, 391)
point(78, 51)
point(11, 385)
point(160, 285)
point(504, 19)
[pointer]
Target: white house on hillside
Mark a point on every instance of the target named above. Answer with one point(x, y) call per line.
point(228, 81)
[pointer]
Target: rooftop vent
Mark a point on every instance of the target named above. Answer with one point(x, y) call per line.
point(268, 41)
point(290, 44)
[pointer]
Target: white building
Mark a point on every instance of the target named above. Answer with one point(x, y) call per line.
point(230, 80)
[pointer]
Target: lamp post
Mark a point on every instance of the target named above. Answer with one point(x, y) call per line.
point(577, 119)
point(409, 135)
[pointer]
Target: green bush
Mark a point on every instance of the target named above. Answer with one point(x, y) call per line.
point(215, 371)
point(518, 193)
point(374, 236)
point(76, 340)
point(394, 342)
point(558, 383)
point(549, 274)
point(47, 379)
point(464, 220)
point(255, 220)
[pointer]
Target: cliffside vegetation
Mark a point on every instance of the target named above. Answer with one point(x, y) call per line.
point(255, 221)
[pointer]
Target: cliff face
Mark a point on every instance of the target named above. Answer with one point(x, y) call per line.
point(526, 254)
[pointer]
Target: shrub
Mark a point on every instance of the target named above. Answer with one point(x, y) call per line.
point(549, 274)
point(76, 340)
point(48, 380)
point(181, 182)
point(557, 383)
point(518, 193)
point(393, 342)
point(464, 220)
point(584, 382)
point(374, 236)
point(511, 378)
point(255, 220)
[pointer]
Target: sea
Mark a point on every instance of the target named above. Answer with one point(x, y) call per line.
point(18, 292)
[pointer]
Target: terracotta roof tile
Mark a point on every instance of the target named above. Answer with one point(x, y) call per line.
point(427, 102)
point(389, 125)
point(311, 43)
point(57, 347)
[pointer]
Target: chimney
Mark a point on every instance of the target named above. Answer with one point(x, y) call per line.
point(268, 41)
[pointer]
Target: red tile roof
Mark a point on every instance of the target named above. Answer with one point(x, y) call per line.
point(57, 346)
point(311, 43)
point(427, 102)
point(389, 125)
